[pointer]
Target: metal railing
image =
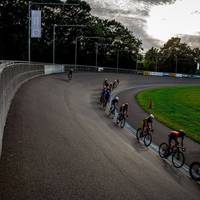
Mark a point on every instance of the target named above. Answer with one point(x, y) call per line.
point(84, 68)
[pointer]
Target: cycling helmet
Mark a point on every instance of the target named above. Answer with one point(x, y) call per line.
point(151, 116)
point(117, 98)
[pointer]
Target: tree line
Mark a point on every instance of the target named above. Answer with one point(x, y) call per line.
point(113, 42)
point(173, 56)
point(111, 36)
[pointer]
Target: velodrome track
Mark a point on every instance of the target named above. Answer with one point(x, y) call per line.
point(58, 144)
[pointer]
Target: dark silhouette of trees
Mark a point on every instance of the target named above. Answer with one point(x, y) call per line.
point(115, 37)
point(173, 56)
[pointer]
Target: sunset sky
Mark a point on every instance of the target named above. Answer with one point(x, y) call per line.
point(154, 21)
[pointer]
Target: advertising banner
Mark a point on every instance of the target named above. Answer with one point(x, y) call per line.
point(53, 69)
point(100, 69)
point(36, 23)
point(156, 73)
point(166, 74)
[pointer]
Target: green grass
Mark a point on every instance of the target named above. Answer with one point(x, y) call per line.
point(176, 107)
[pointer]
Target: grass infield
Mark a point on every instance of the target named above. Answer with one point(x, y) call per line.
point(176, 107)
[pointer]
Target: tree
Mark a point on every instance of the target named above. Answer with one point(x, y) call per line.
point(174, 56)
point(151, 58)
point(14, 33)
point(177, 56)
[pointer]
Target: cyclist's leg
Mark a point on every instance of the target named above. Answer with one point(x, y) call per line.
point(104, 101)
point(144, 127)
point(118, 117)
point(176, 141)
point(170, 138)
point(111, 107)
point(101, 99)
point(114, 108)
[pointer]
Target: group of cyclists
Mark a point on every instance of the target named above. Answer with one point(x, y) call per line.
point(175, 144)
point(123, 110)
point(176, 137)
point(108, 87)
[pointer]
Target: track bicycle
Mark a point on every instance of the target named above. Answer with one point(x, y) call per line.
point(145, 135)
point(176, 152)
point(121, 120)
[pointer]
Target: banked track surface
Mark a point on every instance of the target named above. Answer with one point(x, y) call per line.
point(58, 144)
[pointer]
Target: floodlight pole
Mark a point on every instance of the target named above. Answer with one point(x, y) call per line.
point(54, 27)
point(76, 53)
point(92, 37)
point(176, 63)
point(117, 60)
point(96, 54)
point(156, 63)
point(29, 31)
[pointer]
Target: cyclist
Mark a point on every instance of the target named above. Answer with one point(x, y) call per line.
point(123, 112)
point(70, 74)
point(148, 123)
point(105, 83)
point(114, 104)
point(102, 95)
point(106, 97)
point(111, 86)
point(115, 84)
point(176, 135)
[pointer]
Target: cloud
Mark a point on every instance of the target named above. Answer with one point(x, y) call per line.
point(137, 26)
point(196, 12)
point(157, 2)
point(131, 13)
point(192, 40)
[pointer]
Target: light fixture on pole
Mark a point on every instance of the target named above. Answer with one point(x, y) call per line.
point(76, 41)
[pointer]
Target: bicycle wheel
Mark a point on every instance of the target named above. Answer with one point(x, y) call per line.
point(147, 139)
point(122, 123)
point(139, 133)
point(194, 171)
point(163, 150)
point(178, 159)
